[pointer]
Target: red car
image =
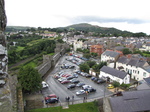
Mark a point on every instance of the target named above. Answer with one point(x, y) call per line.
point(66, 75)
point(65, 81)
point(50, 96)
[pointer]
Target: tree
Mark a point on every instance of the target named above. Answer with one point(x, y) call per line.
point(87, 55)
point(91, 63)
point(97, 67)
point(84, 67)
point(29, 79)
point(126, 51)
point(94, 54)
point(116, 84)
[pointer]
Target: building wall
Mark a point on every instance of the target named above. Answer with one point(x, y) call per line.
point(126, 80)
point(136, 73)
point(96, 49)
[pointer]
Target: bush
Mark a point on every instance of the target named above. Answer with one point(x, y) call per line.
point(125, 86)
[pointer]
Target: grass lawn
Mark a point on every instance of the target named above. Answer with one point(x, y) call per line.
point(83, 107)
point(146, 55)
point(19, 48)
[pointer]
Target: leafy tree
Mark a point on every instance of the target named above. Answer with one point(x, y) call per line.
point(97, 67)
point(29, 79)
point(126, 86)
point(91, 63)
point(86, 55)
point(116, 84)
point(60, 41)
point(79, 49)
point(84, 67)
point(138, 52)
point(126, 51)
point(94, 54)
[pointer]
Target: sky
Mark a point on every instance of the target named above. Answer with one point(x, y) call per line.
point(129, 15)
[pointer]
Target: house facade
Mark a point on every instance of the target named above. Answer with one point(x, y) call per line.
point(77, 44)
point(114, 75)
point(135, 67)
point(109, 55)
point(96, 49)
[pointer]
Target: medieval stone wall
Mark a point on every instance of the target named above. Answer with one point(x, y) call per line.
point(5, 93)
point(50, 61)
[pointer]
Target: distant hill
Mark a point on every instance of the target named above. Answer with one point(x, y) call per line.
point(95, 28)
point(16, 28)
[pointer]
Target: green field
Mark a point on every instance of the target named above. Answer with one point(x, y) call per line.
point(19, 48)
point(83, 107)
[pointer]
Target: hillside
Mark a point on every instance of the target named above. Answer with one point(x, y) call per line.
point(95, 28)
point(16, 28)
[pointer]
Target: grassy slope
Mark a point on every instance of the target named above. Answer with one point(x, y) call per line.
point(84, 107)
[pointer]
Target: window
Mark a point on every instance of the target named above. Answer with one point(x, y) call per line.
point(144, 74)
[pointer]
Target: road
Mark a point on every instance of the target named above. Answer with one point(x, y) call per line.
point(55, 87)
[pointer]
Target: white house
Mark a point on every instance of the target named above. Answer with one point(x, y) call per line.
point(109, 56)
point(77, 44)
point(135, 67)
point(114, 75)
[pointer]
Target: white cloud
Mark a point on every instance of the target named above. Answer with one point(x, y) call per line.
point(56, 13)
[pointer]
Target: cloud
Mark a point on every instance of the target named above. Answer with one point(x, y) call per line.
point(107, 20)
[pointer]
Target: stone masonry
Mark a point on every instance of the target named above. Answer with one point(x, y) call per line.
point(5, 94)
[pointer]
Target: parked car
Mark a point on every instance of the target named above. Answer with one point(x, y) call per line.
point(50, 96)
point(80, 92)
point(110, 86)
point(92, 78)
point(71, 86)
point(71, 66)
point(44, 84)
point(100, 81)
point(52, 100)
point(80, 84)
point(70, 77)
point(78, 72)
point(65, 81)
point(95, 79)
point(84, 87)
point(75, 75)
point(88, 75)
point(75, 81)
point(62, 78)
point(91, 90)
point(66, 75)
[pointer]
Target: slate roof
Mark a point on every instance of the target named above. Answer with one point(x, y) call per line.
point(147, 68)
point(110, 53)
point(113, 72)
point(148, 44)
point(132, 61)
point(131, 101)
point(147, 80)
point(123, 60)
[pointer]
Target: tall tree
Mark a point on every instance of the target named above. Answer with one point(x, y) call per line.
point(29, 79)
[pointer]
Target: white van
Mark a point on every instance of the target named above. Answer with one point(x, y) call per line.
point(44, 84)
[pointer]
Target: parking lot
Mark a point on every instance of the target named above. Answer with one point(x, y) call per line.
point(66, 67)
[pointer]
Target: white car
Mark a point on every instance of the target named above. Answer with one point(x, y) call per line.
point(80, 92)
point(44, 84)
point(86, 87)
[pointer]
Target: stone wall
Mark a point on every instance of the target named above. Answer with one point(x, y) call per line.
point(50, 61)
point(5, 93)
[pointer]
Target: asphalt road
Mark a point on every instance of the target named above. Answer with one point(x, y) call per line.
point(55, 87)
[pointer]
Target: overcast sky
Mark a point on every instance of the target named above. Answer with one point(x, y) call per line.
point(130, 15)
